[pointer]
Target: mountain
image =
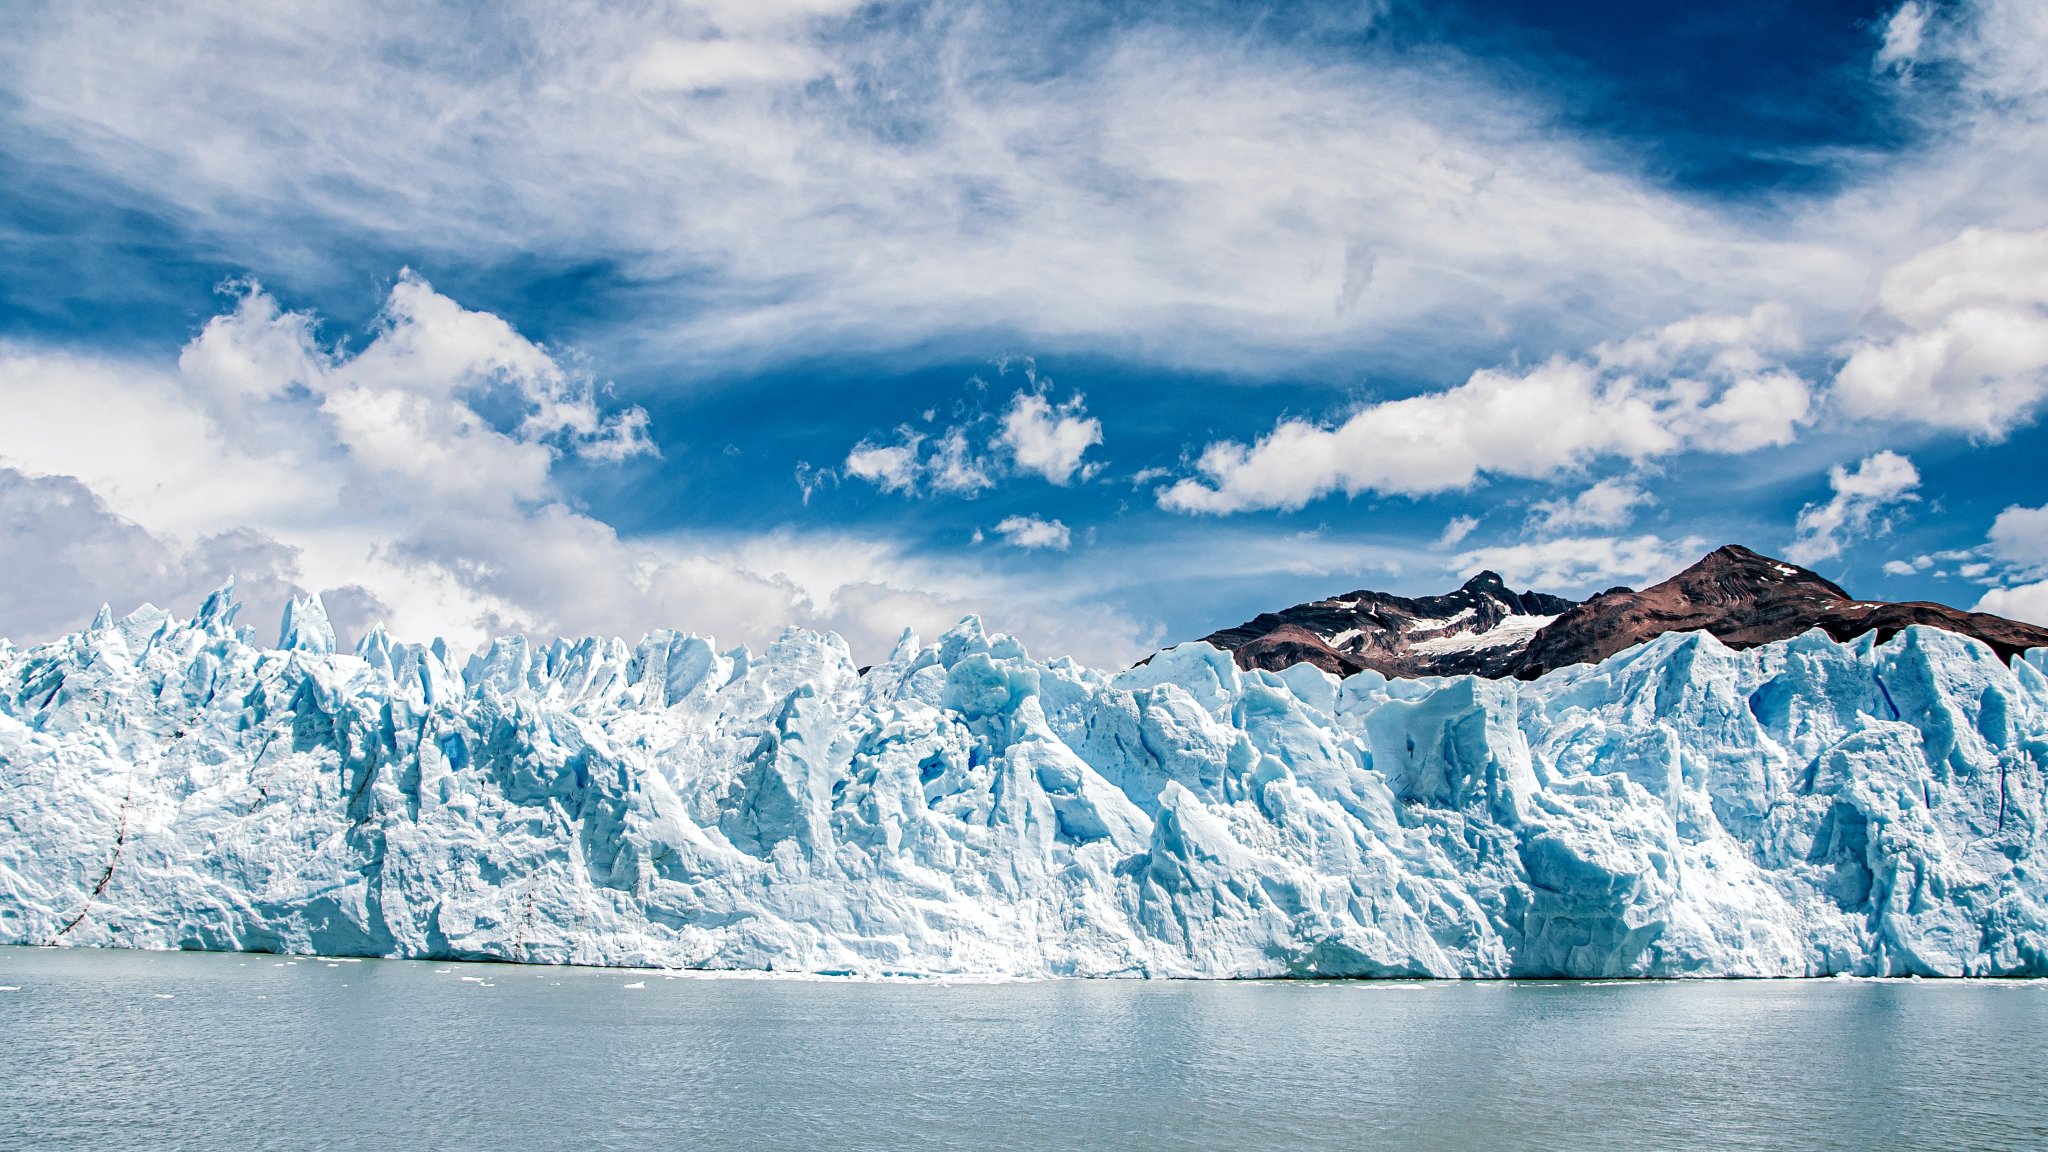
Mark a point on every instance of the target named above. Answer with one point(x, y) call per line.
point(1742, 597)
point(1681, 808)
point(1745, 599)
point(1480, 629)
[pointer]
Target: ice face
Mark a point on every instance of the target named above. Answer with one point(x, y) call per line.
point(1681, 809)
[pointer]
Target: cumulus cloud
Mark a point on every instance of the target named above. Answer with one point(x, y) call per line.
point(1709, 383)
point(2028, 602)
point(413, 480)
point(1877, 483)
point(890, 467)
point(1968, 348)
point(1032, 437)
point(1584, 563)
point(1030, 532)
point(1611, 503)
point(67, 553)
point(1049, 441)
point(2012, 561)
point(2019, 539)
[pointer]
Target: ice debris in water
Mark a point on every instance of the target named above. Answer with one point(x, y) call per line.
point(1802, 808)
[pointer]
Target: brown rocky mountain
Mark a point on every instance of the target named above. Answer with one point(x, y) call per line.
point(1742, 597)
point(1746, 599)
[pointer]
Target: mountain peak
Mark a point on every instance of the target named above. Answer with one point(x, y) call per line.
point(1742, 596)
point(1745, 598)
point(1479, 627)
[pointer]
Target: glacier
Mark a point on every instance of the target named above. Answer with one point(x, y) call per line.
point(1804, 808)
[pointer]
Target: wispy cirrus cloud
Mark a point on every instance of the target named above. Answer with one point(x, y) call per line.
point(1178, 192)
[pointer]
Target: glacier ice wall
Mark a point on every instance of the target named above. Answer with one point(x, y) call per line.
point(1681, 809)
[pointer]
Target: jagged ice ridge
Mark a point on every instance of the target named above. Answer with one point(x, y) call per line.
point(1802, 808)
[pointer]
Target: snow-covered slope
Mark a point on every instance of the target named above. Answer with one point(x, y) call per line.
point(1803, 807)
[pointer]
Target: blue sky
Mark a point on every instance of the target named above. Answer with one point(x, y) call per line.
point(1113, 323)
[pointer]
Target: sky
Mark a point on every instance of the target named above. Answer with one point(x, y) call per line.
point(1112, 323)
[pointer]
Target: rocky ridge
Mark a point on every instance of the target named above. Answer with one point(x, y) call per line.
point(1479, 629)
point(1742, 597)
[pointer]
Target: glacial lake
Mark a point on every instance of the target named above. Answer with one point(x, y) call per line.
point(111, 1050)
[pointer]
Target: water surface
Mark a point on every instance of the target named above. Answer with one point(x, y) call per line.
point(187, 1050)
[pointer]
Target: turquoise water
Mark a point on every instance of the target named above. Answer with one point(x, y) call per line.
point(133, 1050)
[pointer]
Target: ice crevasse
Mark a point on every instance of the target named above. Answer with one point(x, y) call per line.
point(1681, 809)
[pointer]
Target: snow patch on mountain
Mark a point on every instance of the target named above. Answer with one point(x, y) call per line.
point(1804, 807)
point(1515, 630)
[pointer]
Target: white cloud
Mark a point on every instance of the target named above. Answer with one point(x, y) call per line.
point(2028, 602)
point(1706, 384)
point(890, 467)
point(955, 468)
point(800, 171)
point(374, 476)
point(704, 65)
point(1899, 568)
point(1456, 530)
point(1031, 532)
point(1609, 504)
point(1530, 424)
point(1904, 33)
point(809, 172)
point(2019, 539)
point(810, 479)
point(1969, 349)
point(1584, 563)
point(2017, 552)
point(1189, 198)
point(1046, 440)
point(1033, 438)
point(67, 553)
point(1878, 482)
